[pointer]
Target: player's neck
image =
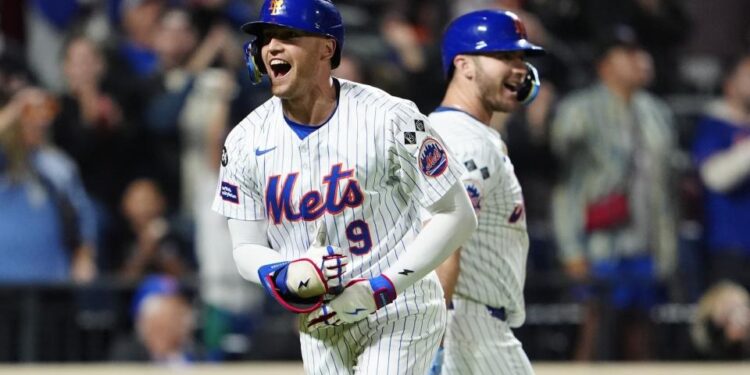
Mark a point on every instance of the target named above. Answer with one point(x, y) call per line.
point(465, 100)
point(313, 108)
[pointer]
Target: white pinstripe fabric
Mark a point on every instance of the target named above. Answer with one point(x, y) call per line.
point(391, 343)
point(366, 134)
point(477, 343)
point(493, 261)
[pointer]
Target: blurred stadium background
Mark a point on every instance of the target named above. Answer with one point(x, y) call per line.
point(272, 368)
point(139, 94)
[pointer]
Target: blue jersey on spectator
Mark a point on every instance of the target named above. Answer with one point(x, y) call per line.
point(727, 214)
point(33, 246)
point(62, 173)
point(31, 238)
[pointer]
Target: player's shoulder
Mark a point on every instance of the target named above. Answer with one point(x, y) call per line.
point(253, 123)
point(462, 131)
point(260, 115)
point(455, 121)
point(375, 99)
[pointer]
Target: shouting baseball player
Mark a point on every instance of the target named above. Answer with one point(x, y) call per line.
point(322, 186)
point(483, 59)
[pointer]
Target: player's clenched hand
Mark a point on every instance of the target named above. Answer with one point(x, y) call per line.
point(360, 298)
point(321, 270)
point(302, 285)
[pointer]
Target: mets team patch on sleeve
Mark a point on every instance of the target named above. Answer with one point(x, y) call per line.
point(472, 189)
point(433, 160)
point(230, 193)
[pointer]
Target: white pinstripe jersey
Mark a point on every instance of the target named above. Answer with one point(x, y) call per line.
point(493, 261)
point(366, 171)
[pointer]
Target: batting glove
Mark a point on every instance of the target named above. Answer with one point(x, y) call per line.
point(300, 285)
point(360, 298)
point(320, 271)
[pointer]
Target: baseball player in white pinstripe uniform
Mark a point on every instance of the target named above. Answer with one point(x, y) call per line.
point(322, 184)
point(483, 56)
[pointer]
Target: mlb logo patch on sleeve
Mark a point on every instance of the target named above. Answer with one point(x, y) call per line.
point(410, 138)
point(230, 193)
point(419, 125)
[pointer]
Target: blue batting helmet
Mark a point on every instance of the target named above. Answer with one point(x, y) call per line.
point(485, 31)
point(313, 16)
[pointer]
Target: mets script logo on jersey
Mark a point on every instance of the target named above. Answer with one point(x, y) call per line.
point(433, 160)
point(516, 214)
point(474, 195)
point(313, 204)
point(276, 7)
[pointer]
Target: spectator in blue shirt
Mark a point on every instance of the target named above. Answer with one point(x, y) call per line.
point(721, 151)
point(46, 222)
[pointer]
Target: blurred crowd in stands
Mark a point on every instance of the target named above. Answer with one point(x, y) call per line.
point(634, 159)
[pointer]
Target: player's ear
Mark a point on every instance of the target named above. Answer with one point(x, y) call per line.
point(329, 48)
point(464, 66)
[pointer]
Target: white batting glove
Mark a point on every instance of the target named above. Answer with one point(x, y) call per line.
point(360, 298)
point(320, 271)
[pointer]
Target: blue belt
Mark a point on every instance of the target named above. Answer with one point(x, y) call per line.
point(498, 313)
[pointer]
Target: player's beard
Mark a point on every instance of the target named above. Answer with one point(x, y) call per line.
point(492, 93)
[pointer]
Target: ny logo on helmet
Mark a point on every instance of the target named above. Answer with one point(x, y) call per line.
point(520, 28)
point(276, 7)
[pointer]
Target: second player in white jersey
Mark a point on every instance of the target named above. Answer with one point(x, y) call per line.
point(324, 183)
point(483, 59)
point(493, 260)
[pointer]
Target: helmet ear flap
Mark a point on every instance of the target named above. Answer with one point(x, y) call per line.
point(253, 62)
point(529, 88)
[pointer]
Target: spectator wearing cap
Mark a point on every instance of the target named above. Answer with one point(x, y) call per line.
point(612, 209)
point(164, 325)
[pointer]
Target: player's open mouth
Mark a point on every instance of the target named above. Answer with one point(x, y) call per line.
point(280, 68)
point(511, 87)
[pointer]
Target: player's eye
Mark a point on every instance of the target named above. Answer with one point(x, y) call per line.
point(280, 34)
point(507, 56)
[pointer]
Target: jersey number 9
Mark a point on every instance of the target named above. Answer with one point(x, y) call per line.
point(358, 233)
